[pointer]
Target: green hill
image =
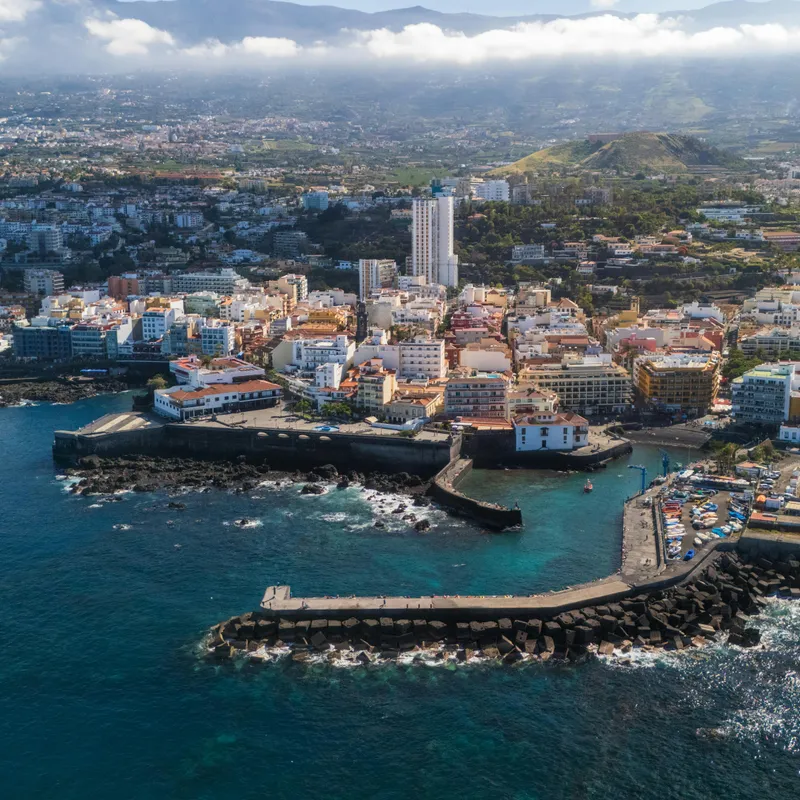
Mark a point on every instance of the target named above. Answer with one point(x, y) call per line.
point(629, 153)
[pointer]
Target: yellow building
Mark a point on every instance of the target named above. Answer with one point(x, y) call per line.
point(407, 408)
point(688, 383)
point(376, 385)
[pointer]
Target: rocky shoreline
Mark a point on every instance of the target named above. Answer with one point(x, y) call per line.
point(105, 476)
point(12, 394)
point(716, 606)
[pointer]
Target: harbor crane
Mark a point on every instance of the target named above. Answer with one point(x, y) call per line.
point(665, 462)
point(643, 470)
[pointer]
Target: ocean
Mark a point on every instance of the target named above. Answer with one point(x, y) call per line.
point(103, 692)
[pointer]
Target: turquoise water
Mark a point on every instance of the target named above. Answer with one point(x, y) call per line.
point(103, 694)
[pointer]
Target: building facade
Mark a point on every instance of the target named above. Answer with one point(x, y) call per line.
point(687, 383)
point(182, 403)
point(550, 431)
point(432, 255)
point(483, 397)
point(589, 385)
point(43, 281)
point(768, 394)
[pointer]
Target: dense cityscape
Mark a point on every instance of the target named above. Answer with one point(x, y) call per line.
point(400, 401)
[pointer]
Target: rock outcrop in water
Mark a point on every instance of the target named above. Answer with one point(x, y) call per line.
point(12, 394)
point(150, 473)
point(717, 605)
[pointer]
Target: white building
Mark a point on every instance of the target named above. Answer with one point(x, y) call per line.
point(495, 190)
point(422, 357)
point(432, 254)
point(217, 337)
point(375, 273)
point(221, 370)
point(189, 219)
point(157, 321)
point(521, 253)
point(540, 432)
point(768, 394)
point(225, 281)
point(308, 354)
point(43, 281)
point(187, 402)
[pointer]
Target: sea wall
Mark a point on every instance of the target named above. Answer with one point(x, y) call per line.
point(444, 489)
point(714, 601)
point(282, 449)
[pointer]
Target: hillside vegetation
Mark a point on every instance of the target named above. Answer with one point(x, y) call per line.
point(629, 153)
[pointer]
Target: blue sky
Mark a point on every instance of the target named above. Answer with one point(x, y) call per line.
point(507, 7)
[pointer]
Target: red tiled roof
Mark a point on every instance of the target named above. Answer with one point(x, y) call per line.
point(223, 388)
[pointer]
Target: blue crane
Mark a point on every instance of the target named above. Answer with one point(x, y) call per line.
point(665, 462)
point(643, 470)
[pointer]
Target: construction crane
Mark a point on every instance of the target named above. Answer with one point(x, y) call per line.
point(643, 470)
point(665, 462)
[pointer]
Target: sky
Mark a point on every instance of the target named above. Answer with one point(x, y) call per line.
point(513, 7)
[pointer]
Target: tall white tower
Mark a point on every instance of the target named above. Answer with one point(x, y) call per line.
point(432, 254)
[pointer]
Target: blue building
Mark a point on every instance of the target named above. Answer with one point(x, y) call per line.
point(315, 201)
point(43, 343)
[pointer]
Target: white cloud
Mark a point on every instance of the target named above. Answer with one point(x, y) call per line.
point(251, 46)
point(128, 37)
point(646, 35)
point(604, 3)
point(642, 36)
point(7, 46)
point(17, 10)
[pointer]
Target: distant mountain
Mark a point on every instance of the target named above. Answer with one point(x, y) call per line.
point(230, 20)
point(628, 153)
point(78, 35)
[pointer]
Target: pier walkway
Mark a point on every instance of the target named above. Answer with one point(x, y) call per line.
point(278, 601)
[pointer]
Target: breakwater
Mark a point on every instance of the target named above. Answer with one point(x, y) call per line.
point(715, 602)
point(444, 489)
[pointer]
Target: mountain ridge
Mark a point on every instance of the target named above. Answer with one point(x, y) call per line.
point(641, 151)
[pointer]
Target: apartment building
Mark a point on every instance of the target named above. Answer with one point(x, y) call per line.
point(217, 337)
point(225, 281)
point(308, 354)
point(432, 256)
point(43, 281)
point(771, 342)
point(588, 385)
point(422, 357)
point(479, 397)
point(687, 383)
point(122, 286)
point(375, 273)
point(768, 394)
point(527, 253)
point(376, 386)
point(157, 321)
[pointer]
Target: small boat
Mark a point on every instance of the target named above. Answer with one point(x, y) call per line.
point(587, 487)
point(689, 555)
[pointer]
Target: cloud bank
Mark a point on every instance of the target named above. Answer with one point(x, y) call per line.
point(128, 37)
point(643, 36)
point(17, 10)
